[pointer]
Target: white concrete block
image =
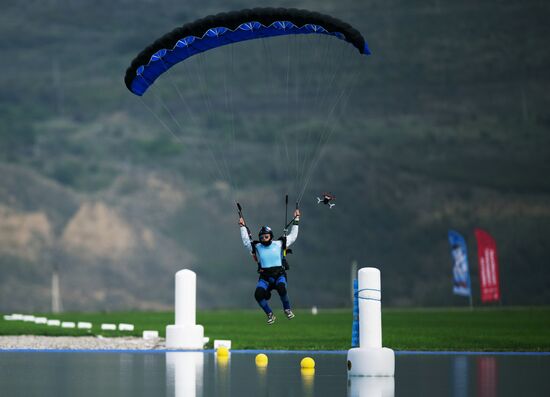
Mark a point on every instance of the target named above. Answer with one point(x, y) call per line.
point(28, 318)
point(84, 325)
point(17, 316)
point(55, 323)
point(9, 317)
point(108, 327)
point(125, 327)
point(150, 334)
point(68, 324)
point(222, 342)
point(40, 320)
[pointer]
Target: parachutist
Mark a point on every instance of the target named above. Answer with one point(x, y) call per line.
point(327, 200)
point(269, 254)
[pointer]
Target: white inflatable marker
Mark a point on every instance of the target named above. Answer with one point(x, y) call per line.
point(314, 310)
point(222, 342)
point(108, 327)
point(185, 333)
point(68, 324)
point(28, 318)
point(16, 316)
point(9, 317)
point(125, 327)
point(84, 325)
point(370, 358)
point(150, 335)
point(53, 323)
point(40, 320)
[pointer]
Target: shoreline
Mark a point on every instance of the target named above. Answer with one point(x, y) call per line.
point(99, 344)
point(41, 342)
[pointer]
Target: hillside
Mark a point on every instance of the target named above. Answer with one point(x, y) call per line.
point(447, 126)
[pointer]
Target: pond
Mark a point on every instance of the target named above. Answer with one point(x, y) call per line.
point(202, 374)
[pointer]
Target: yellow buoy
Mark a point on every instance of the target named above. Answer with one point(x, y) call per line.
point(261, 360)
point(307, 362)
point(222, 351)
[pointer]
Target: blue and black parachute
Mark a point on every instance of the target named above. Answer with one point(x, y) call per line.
point(227, 28)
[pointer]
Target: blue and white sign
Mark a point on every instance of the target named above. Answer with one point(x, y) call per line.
point(461, 273)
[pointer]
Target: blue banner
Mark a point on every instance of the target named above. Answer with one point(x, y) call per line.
point(461, 274)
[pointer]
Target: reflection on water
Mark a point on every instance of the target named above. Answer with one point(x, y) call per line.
point(308, 381)
point(486, 376)
point(369, 386)
point(184, 373)
point(460, 376)
point(198, 374)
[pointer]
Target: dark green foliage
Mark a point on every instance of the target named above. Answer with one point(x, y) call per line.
point(448, 127)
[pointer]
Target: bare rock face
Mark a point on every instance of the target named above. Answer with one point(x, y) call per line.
point(24, 234)
point(97, 230)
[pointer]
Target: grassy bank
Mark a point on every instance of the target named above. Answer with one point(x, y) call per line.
point(487, 329)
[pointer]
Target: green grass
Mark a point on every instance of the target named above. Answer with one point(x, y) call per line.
point(484, 329)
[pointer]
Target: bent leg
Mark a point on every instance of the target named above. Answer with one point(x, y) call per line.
point(262, 295)
point(281, 289)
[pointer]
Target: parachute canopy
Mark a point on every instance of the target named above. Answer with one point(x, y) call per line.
point(227, 28)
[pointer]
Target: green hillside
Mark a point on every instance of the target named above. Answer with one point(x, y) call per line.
point(447, 126)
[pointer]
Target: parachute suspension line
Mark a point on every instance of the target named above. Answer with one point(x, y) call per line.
point(316, 105)
point(323, 92)
point(299, 105)
point(159, 119)
point(327, 129)
point(199, 69)
point(192, 118)
point(159, 99)
point(343, 98)
point(288, 125)
point(181, 96)
point(300, 47)
point(322, 142)
point(271, 88)
point(230, 135)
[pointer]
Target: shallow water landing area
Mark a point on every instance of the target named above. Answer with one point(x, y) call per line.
point(202, 374)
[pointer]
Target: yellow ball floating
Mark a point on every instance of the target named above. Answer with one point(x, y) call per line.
point(261, 360)
point(222, 351)
point(307, 363)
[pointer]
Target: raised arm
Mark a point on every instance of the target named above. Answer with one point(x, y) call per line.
point(245, 235)
point(291, 238)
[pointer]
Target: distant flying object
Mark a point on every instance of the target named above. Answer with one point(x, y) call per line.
point(327, 200)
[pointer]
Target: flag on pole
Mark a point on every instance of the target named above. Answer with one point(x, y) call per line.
point(461, 272)
point(488, 266)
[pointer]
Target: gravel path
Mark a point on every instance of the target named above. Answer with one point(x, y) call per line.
point(79, 343)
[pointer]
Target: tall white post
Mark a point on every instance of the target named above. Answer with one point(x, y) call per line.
point(370, 358)
point(185, 334)
point(186, 297)
point(370, 308)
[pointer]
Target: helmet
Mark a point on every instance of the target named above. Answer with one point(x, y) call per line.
point(265, 230)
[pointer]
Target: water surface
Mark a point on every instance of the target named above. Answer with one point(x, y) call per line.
point(197, 374)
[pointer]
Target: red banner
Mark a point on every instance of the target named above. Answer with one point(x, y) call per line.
point(488, 266)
